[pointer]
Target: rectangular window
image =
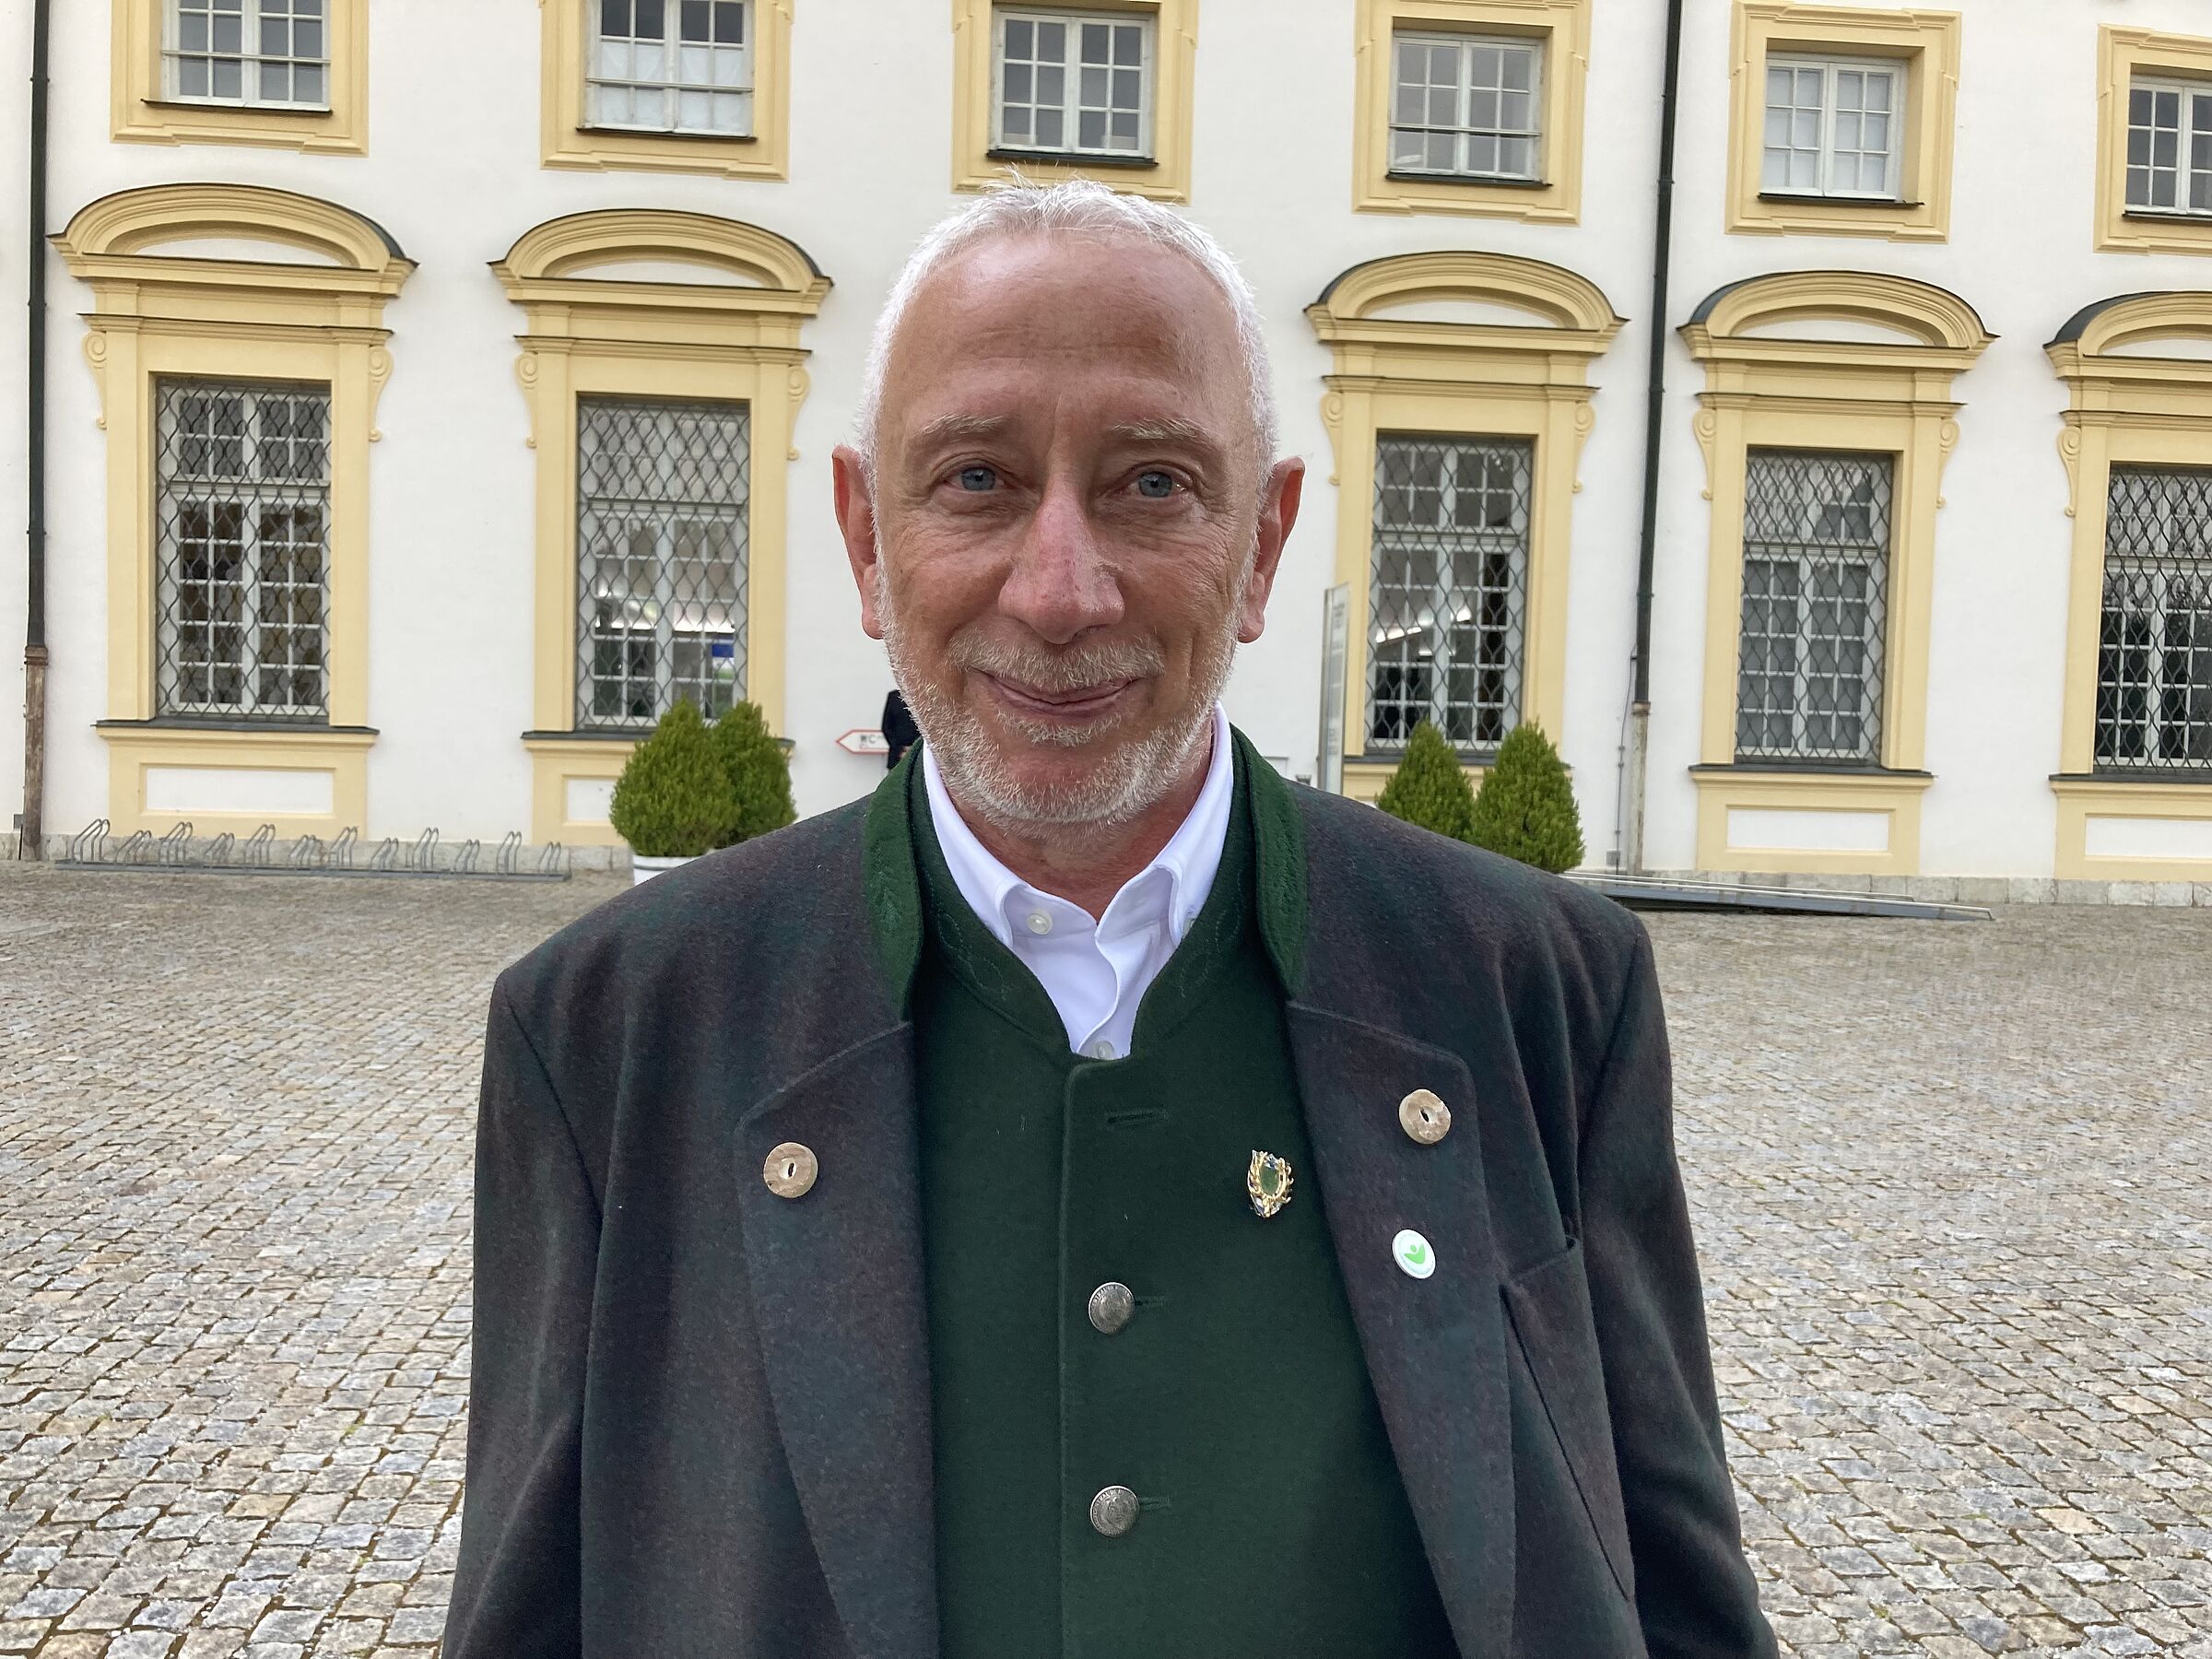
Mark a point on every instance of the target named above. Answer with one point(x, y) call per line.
point(2170, 146)
point(241, 488)
point(1832, 126)
point(671, 67)
point(1449, 588)
point(2154, 660)
point(661, 538)
point(1071, 83)
point(1816, 573)
point(255, 53)
point(1466, 107)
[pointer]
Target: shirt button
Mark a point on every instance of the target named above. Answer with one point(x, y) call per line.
point(1099, 1048)
point(1038, 922)
point(1111, 1305)
point(1114, 1510)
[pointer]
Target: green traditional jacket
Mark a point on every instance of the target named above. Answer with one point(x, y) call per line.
point(1233, 1401)
point(703, 1400)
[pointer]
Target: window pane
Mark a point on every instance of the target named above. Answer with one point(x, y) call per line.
point(1811, 625)
point(241, 502)
point(662, 496)
point(2154, 691)
point(1447, 587)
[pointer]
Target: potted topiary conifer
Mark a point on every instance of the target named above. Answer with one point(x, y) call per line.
point(673, 801)
point(759, 775)
point(1526, 808)
point(1429, 787)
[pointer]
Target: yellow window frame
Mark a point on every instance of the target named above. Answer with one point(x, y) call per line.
point(156, 314)
point(2126, 406)
point(1476, 379)
point(140, 112)
point(1813, 393)
point(567, 142)
point(2123, 54)
point(735, 336)
point(1165, 176)
point(1926, 41)
point(1563, 29)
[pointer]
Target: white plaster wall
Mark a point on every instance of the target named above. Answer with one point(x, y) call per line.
point(453, 172)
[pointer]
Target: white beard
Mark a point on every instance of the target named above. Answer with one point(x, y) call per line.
point(1124, 780)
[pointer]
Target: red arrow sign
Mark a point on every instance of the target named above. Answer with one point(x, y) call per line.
point(861, 740)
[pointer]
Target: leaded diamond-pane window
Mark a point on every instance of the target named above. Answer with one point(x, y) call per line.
point(1071, 83)
point(2170, 146)
point(1816, 574)
point(2154, 662)
point(660, 493)
point(1450, 584)
point(671, 65)
point(1464, 107)
point(255, 52)
point(1831, 127)
point(241, 514)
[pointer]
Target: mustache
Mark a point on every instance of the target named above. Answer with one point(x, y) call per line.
point(1058, 669)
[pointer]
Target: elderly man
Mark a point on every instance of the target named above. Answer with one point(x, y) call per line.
point(1092, 1198)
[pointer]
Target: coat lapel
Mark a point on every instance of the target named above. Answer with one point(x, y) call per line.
point(837, 1287)
point(1435, 1348)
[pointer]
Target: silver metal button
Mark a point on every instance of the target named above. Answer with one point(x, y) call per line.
point(1111, 1306)
point(790, 1170)
point(1113, 1511)
point(1424, 1117)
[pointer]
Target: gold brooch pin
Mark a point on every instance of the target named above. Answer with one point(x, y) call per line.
point(1268, 1182)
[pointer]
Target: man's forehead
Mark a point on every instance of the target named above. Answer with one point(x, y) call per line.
point(1010, 325)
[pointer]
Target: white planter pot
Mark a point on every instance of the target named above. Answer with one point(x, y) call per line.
point(643, 869)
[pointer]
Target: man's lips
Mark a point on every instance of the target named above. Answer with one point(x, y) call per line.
point(1063, 705)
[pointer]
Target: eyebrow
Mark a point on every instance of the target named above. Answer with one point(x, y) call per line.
point(1168, 430)
point(946, 427)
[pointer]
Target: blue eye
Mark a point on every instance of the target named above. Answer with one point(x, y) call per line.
point(977, 477)
point(1156, 485)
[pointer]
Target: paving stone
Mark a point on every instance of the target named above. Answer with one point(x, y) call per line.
point(1945, 1180)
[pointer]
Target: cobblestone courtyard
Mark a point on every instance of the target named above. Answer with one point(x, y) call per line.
point(1950, 1182)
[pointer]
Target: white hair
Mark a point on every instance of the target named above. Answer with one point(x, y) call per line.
point(1078, 208)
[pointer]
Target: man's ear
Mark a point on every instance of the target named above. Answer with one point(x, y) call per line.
point(1278, 511)
point(856, 524)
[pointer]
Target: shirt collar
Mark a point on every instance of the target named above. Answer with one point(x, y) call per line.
point(1171, 890)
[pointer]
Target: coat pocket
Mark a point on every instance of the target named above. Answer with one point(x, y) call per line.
point(1549, 1307)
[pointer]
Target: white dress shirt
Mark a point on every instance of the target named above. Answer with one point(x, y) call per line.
point(1096, 972)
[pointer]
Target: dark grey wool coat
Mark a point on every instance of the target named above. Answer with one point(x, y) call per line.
point(700, 1413)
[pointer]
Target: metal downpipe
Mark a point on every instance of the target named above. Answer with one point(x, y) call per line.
point(1640, 699)
point(30, 842)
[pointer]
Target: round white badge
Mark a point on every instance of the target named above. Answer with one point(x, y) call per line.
point(1413, 1253)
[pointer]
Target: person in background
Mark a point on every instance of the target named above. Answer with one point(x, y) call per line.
point(899, 729)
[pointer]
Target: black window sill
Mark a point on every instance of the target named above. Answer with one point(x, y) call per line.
point(184, 723)
point(1481, 180)
point(1074, 158)
point(300, 112)
point(626, 132)
point(1395, 757)
point(2167, 215)
point(2198, 773)
point(1814, 198)
point(1752, 765)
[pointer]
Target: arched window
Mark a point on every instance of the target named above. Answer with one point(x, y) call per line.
point(1457, 406)
point(238, 337)
point(664, 371)
point(1825, 422)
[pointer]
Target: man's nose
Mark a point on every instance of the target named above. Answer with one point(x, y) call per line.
point(1061, 582)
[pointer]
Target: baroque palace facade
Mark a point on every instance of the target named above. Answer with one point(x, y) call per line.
point(436, 392)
